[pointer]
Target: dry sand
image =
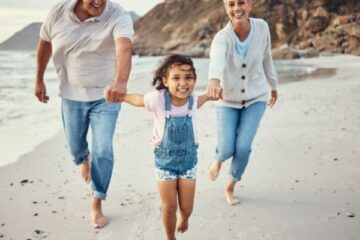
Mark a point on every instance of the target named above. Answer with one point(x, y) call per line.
point(302, 181)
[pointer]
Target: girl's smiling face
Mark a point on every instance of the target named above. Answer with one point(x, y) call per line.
point(180, 81)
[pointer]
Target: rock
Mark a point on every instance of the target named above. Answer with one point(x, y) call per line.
point(306, 44)
point(321, 12)
point(310, 53)
point(317, 24)
point(285, 53)
point(326, 42)
point(24, 181)
point(354, 43)
point(340, 20)
point(37, 231)
point(351, 215)
point(280, 33)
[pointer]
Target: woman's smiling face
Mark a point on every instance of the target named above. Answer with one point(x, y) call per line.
point(238, 10)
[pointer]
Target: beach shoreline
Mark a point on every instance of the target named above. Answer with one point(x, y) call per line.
point(302, 181)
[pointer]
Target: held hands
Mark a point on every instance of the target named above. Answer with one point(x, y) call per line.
point(273, 98)
point(115, 92)
point(214, 90)
point(40, 92)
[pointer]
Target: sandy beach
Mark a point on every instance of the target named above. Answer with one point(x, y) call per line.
point(302, 182)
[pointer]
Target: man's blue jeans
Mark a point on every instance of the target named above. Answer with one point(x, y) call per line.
point(101, 117)
point(236, 132)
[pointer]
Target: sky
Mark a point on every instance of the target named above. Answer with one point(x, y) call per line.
point(16, 14)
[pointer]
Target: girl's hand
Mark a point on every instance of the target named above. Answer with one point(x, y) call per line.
point(273, 98)
point(214, 90)
point(203, 98)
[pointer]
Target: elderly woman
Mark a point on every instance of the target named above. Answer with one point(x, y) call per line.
point(241, 72)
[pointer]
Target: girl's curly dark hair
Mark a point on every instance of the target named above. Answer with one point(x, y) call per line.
point(166, 64)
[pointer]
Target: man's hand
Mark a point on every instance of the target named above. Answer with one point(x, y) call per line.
point(214, 90)
point(40, 92)
point(115, 92)
point(273, 98)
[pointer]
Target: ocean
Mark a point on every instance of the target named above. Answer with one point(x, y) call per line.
point(25, 122)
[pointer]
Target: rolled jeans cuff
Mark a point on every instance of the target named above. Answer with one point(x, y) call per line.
point(235, 179)
point(98, 195)
point(80, 160)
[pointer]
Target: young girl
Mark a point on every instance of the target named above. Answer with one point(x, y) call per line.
point(174, 110)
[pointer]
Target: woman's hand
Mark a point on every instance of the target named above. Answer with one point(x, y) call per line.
point(273, 98)
point(214, 90)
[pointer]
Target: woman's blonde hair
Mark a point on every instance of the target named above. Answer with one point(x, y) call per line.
point(249, 1)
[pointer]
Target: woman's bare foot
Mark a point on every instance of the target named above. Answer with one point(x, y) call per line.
point(230, 198)
point(85, 170)
point(98, 220)
point(215, 169)
point(183, 225)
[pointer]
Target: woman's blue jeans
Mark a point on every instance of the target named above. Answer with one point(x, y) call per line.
point(236, 132)
point(101, 117)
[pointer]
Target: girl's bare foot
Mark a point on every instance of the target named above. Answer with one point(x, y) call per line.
point(229, 194)
point(85, 170)
point(215, 169)
point(230, 198)
point(183, 225)
point(98, 220)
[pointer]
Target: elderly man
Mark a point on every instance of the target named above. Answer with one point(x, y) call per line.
point(90, 43)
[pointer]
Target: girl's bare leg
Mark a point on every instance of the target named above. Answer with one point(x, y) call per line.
point(168, 195)
point(229, 194)
point(186, 189)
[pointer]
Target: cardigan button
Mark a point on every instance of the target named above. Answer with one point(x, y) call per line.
point(243, 65)
point(243, 77)
point(242, 90)
point(243, 102)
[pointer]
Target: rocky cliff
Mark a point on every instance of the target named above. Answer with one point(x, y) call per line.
point(188, 26)
point(24, 40)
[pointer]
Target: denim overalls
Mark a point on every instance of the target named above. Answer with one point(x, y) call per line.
point(176, 156)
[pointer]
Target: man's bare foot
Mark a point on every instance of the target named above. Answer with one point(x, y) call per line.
point(98, 220)
point(215, 169)
point(230, 198)
point(182, 225)
point(85, 170)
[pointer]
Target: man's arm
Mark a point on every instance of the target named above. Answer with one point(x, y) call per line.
point(116, 91)
point(44, 51)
